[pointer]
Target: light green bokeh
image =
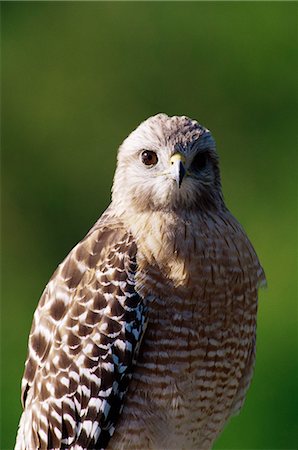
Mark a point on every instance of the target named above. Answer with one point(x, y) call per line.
point(76, 79)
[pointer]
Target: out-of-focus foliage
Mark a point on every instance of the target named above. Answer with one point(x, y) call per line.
point(76, 79)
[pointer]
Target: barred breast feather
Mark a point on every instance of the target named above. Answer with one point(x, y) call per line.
point(197, 356)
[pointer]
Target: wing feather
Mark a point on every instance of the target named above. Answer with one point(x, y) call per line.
point(85, 334)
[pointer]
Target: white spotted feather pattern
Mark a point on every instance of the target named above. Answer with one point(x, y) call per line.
point(84, 337)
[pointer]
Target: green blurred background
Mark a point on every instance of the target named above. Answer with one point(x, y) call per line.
point(76, 79)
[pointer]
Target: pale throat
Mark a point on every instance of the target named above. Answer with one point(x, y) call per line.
point(165, 240)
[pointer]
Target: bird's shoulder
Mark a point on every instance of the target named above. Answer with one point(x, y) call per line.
point(237, 248)
point(85, 334)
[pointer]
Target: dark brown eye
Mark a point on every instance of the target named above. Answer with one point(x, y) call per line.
point(149, 158)
point(200, 160)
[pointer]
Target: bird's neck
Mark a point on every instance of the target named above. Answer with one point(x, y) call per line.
point(166, 240)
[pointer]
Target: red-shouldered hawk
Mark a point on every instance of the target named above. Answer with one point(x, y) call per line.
point(144, 338)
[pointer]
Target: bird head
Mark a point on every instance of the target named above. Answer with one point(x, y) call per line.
point(167, 163)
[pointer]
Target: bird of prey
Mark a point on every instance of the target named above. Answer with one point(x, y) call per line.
point(144, 337)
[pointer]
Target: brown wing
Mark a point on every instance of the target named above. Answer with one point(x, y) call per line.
point(248, 276)
point(86, 330)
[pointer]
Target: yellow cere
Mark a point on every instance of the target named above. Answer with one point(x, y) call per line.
point(177, 157)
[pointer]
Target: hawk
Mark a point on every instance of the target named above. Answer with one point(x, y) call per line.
point(144, 338)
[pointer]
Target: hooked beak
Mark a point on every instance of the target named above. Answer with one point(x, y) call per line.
point(178, 171)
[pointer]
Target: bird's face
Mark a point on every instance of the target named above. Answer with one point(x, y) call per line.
point(167, 163)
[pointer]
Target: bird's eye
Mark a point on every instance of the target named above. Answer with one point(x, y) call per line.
point(149, 158)
point(200, 160)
